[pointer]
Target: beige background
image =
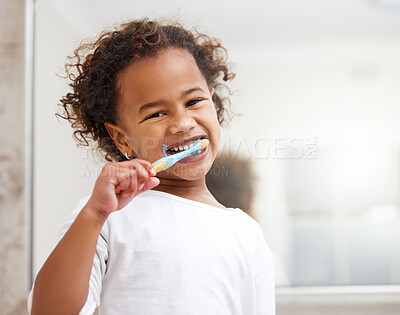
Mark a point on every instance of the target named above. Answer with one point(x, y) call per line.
point(13, 245)
point(306, 69)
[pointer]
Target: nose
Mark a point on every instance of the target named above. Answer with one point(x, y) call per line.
point(182, 122)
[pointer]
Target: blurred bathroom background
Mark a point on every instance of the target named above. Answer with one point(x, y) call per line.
point(314, 156)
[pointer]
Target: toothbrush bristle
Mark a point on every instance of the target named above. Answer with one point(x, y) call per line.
point(203, 143)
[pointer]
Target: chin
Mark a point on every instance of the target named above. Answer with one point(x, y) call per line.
point(187, 172)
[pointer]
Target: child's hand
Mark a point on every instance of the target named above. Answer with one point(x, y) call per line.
point(128, 178)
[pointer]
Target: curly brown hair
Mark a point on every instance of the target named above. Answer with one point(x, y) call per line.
point(94, 68)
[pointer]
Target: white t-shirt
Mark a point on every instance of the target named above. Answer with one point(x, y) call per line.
point(163, 254)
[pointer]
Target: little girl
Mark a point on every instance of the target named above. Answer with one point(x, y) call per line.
point(144, 243)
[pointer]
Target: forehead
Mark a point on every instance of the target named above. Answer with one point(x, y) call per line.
point(166, 75)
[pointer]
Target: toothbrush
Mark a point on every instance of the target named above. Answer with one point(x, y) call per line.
point(167, 161)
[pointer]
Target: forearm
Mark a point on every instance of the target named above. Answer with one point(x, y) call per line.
point(63, 282)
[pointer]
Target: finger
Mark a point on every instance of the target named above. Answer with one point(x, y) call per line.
point(151, 183)
point(147, 166)
point(143, 169)
point(123, 177)
point(109, 170)
point(137, 176)
point(142, 176)
point(133, 184)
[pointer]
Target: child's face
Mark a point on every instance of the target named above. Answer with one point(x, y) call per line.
point(181, 109)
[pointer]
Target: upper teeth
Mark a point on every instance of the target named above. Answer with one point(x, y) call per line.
point(185, 147)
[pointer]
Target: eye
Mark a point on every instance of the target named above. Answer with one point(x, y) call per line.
point(193, 102)
point(155, 115)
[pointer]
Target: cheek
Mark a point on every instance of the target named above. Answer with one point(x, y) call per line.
point(211, 112)
point(150, 144)
point(145, 142)
point(217, 135)
point(214, 126)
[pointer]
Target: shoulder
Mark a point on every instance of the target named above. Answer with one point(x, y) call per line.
point(261, 252)
point(250, 223)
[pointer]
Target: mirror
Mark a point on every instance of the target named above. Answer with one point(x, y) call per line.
point(317, 87)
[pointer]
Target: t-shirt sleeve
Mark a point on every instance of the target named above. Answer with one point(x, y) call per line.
point(96, 277)
point(99, 266)
point(265, 290)
point(264, 276)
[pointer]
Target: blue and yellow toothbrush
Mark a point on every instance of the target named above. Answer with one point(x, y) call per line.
point(167, 161)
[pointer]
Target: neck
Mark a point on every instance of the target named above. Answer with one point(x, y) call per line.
point(195, 190)
point(183, 188)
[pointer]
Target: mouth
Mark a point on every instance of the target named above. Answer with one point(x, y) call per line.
point(185, 145)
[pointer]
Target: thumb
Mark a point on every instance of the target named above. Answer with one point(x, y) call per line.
point(151, 183)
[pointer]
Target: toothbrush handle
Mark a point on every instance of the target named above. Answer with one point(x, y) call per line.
point(159, 166)
point(168, 161)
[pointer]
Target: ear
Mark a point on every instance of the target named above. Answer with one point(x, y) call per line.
point(212, 91)
point(120, 138)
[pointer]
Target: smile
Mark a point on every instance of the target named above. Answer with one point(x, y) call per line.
point(179, 148)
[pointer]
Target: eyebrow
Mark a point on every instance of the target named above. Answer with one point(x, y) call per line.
point(156, 103)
